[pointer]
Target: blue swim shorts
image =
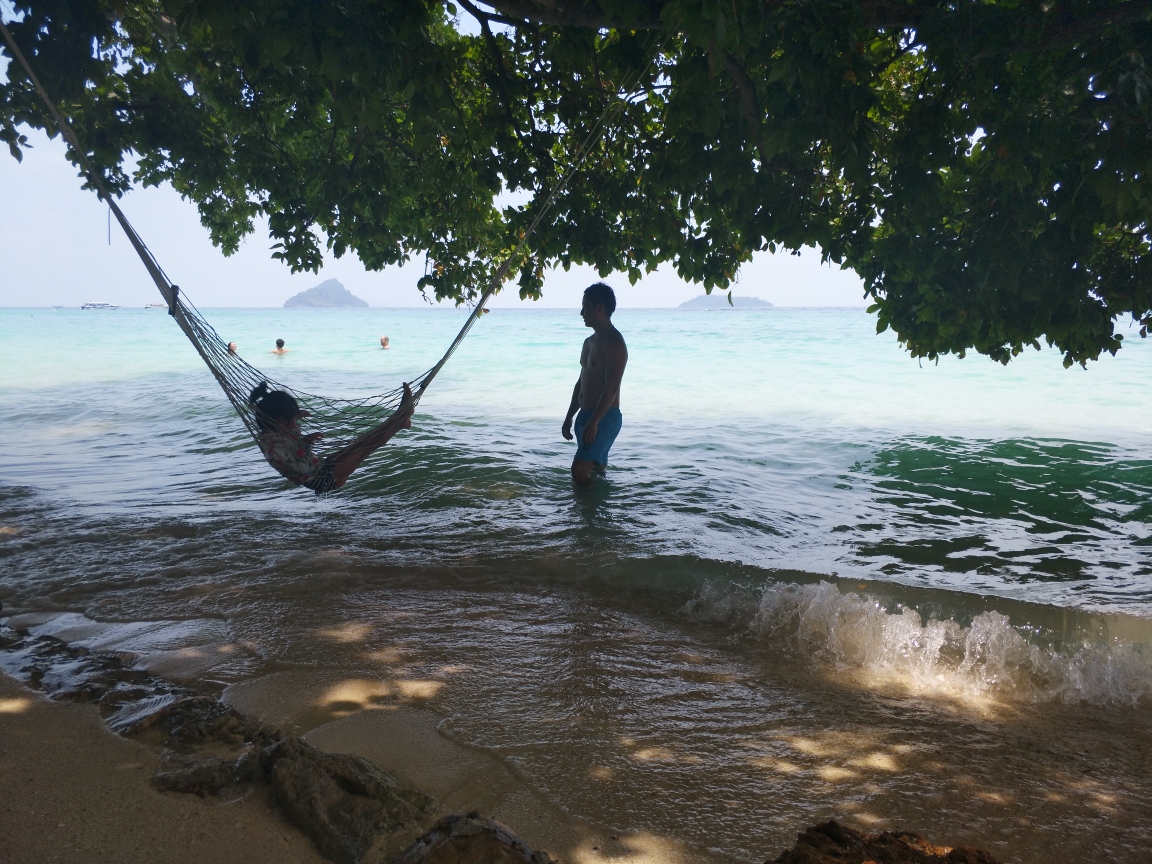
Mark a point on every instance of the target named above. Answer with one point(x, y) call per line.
point(606, 431)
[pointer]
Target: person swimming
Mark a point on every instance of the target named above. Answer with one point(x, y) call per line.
point(289, 451)
point(232, 348)
point(280, 349)
point(383, 341)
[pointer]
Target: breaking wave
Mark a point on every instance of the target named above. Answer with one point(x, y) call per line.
point(860, 635)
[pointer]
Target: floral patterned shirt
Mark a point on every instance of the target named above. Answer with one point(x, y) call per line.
point(290, 456)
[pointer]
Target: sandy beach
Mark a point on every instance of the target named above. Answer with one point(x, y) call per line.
point(72, 791)
point(986, 774)
point(404, 742)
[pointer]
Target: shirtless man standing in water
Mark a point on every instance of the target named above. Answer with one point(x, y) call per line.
point(597, 393)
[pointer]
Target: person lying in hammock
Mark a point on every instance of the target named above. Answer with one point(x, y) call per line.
point(290, 452)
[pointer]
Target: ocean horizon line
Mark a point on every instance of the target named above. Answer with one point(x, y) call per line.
point(61, 306)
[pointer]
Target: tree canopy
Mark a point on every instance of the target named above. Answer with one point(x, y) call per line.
point(982, 164)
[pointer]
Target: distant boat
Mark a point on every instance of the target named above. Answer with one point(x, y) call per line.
point(156, 306)
point(99, 306)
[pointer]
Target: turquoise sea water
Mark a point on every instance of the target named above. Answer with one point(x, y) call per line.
point(788, 484)
point(794, 439)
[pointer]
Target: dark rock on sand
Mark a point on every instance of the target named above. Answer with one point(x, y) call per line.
point(190, 722)
point(210, 776)
point(343, 803)
point(132, 717)
point(471, 840)
point(833, 843)
point(72, 673)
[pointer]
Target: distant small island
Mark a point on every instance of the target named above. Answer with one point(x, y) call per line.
point(720, 301)
point(326, 295)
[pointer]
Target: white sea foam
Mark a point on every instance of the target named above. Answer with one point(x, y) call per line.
point(859, 636)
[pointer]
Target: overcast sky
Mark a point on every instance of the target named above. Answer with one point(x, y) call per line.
point(55, 251)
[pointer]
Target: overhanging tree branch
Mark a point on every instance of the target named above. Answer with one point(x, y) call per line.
point(1069, 21)
point(481, 15)
point(572, 14)
point(1068, 30)
point(749, 103)
point(500, 78)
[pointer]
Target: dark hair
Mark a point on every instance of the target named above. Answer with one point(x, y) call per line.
point(601, 293)
point(271, 406)
point(279, 343)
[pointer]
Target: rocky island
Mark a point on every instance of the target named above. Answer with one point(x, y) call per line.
point(327, 295)
point(720, 301)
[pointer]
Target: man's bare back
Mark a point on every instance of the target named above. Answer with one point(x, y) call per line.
point(596, 395)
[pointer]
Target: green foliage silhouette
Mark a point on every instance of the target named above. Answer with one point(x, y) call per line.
point(982, 164)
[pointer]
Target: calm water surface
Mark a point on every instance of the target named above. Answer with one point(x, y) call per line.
point(819, 579)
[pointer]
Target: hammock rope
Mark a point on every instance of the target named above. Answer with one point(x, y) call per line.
point(341, 420)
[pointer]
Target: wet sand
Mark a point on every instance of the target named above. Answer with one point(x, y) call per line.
point(72, 791)
point(664, 737)
point(405, 742)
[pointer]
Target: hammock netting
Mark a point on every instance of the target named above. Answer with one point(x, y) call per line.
point(341, 420)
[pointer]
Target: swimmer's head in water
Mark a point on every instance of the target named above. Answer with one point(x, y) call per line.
point(272, 407)
point(383, 341)
point(232, 349)
point(279, 343)
point(600, 294)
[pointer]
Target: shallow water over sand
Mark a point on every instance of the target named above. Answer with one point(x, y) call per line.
point(818, 580)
